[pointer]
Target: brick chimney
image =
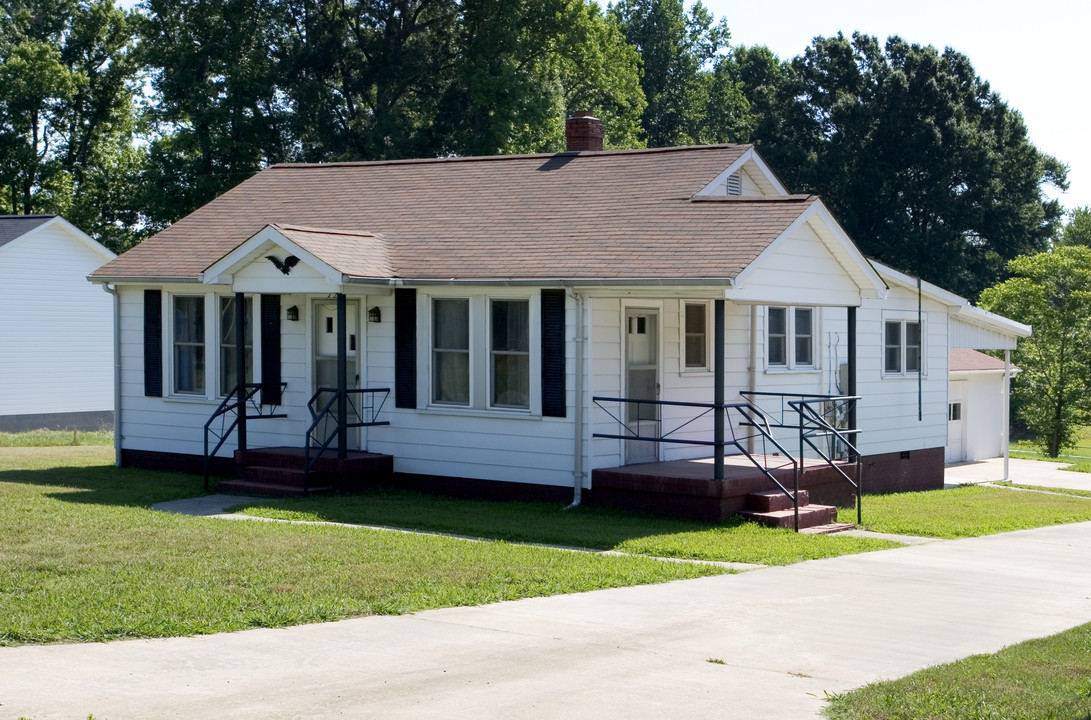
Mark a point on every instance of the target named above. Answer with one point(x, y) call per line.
point(583, 131)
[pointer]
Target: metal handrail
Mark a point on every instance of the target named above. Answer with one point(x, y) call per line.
point(230, 404)
point(323, 414)
point(750, 416)
point(811, 424)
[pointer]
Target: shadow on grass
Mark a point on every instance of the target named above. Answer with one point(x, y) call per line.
point(108, 485)
point(546, 523)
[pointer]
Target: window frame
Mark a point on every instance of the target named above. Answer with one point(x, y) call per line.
point(683, 335)
point(209, 302)
point(249, 343)
point(903, 322)
point(480, 362)
point(790, 339)
point(433, 365)
point(493, 353)
point(172, 344)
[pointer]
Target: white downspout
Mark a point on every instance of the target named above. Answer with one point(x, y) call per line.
point(578, 445)
point(1005, 431)
point(117, 372)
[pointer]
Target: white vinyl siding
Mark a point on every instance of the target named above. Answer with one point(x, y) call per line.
point(56, 336)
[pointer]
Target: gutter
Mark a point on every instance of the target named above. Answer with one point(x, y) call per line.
point(117, 372)
point(565, 283)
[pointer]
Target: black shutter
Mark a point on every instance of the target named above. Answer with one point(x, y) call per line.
point(270, 350)
point(405, 348)
point(153, 343)
point(554, 401)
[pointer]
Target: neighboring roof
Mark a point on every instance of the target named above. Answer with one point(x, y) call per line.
point(603, 215)
point(966, 360)
point(13, 227)
point(958, 306)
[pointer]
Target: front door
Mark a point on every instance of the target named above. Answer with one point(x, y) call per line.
point(325, 359)
point(956, 422)
point(642, 383)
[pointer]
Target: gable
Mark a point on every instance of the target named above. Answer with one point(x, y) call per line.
point(812, 263)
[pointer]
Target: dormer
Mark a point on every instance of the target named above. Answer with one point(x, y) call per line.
point(748, 176)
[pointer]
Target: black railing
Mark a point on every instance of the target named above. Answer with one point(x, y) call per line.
point(821, 422)
point(225, 418)
point(745, 415)
point(362, 408)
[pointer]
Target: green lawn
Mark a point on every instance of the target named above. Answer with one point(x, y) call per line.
point(84, 559)
point(586, 527)
point(970, 511)
point(1043, 679)
point(55, 438)
point(1079, 455)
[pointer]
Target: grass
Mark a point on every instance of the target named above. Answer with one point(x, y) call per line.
point(1059, 491)
point(1043, 679)
point(586, 527)
point(970, 511)
point(56, 438)
point(1079, 454)
point(84, 559)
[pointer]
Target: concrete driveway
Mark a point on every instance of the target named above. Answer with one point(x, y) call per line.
point(786, 637)
point(1023, 472)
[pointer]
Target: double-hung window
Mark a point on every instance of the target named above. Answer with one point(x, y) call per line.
point(229, 348)
point(790, 335)
point(451, 351)
point(509, 363)
point(901, 347)
point(695, 344)
point(188, 357)
point(482, 352)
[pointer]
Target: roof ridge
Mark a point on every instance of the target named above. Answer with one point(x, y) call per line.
point(500, 158)
point(325, 231)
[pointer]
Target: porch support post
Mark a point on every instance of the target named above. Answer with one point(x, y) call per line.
point(240, 365)
point(342, 377)
point(718, 371)
point(851, 389)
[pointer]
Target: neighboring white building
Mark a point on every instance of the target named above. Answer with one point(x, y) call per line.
point(977, 406)
point(503, 301)
point(56, 332)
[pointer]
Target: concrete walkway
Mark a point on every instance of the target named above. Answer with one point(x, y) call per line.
point(786, 637)
point(1023, 472)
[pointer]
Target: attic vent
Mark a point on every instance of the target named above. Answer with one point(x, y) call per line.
point(734, 185)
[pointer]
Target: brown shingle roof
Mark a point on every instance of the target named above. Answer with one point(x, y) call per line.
point(965, 360)
point(610, 215)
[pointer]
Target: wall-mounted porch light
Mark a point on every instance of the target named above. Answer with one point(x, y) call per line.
point(374, 315)
point(293, 313)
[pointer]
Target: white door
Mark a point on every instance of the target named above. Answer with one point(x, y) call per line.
point(642, 382)
point(956, 422)
point(325, 358)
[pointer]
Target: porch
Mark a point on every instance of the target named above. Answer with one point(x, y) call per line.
point(688, 488)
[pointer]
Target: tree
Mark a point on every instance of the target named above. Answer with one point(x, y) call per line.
point(67, 118)
point(1078, 229)
point(688, 100)
point(219, 114)
point(925, 167)
point(1051, 292)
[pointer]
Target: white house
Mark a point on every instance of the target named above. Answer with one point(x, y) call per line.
point(56, 348)
point(518, 323)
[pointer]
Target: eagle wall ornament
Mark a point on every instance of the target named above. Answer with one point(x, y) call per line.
point(285, 265)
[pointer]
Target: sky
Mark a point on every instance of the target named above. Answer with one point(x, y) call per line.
point(1033, 54)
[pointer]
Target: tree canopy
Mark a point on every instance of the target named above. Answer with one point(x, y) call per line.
point(126, 121)
point(925, 166)
point(1050, 291)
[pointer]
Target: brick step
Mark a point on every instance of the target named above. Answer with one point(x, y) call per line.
point(248, 487)
point(809, 516)
point(356, 461)
point(828, 529)
point(288, 477)
point(773, 500)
